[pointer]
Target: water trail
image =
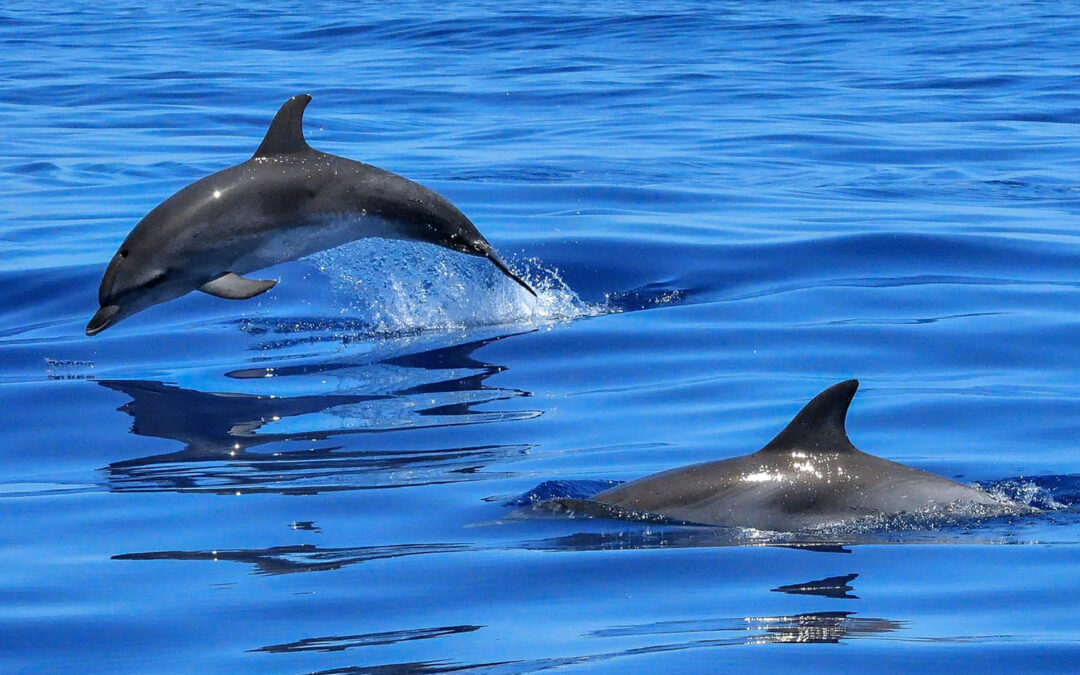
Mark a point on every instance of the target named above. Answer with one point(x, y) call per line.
point(1047, 493)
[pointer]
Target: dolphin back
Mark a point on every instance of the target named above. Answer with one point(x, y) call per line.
point(413, 211)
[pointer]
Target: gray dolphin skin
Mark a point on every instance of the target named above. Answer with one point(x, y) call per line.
point(288, 201)
point(809, 476)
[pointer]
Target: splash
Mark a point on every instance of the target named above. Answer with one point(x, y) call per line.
point(1047, 493)
point(388, 290)
point(394, 288)
point(551, 490)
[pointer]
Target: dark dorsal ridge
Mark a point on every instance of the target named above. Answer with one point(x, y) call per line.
point(819, 426)
point(286, 132)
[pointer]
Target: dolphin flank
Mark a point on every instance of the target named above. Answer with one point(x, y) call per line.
point(809, 476)
point(288, 201)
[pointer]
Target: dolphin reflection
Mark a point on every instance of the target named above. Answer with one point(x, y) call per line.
point(820, 627)
point(339, 643)
point(810, 627)
point(309, 558)
point(829, 587)
point(220, 430)
point(277, 560)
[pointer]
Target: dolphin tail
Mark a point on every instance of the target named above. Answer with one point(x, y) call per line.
point(490, 255)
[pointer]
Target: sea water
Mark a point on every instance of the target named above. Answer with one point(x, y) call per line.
point(726, 208)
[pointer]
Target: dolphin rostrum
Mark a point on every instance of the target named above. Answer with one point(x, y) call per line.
point(809, 476)
point(288, 201)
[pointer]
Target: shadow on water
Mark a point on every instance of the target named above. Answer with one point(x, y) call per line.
point(828, 627)
point(811, 627)
point(220, 430)
point(820, 627)
point(309, 558)
point(337, 643)
point(829, 587)
point(301, 558)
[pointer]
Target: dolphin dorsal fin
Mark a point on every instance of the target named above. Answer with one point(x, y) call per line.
point(286, 132)
point(819, 426)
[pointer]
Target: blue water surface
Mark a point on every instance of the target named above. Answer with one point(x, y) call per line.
point(727, 207)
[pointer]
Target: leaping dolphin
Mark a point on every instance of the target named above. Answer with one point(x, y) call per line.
point(288, 201)
point(809, 476)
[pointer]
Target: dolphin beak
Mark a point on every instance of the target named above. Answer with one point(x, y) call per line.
point(105, 317)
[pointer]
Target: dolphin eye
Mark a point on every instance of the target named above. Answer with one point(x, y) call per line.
point(123, 253)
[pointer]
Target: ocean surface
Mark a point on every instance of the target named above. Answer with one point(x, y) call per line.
point(727, 207)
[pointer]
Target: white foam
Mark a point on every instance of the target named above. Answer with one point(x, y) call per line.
point(403, 287)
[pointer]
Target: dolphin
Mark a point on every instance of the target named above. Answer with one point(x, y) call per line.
point(809, 476)
point(288, 201)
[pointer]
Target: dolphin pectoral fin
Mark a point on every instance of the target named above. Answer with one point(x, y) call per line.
point(235, 287)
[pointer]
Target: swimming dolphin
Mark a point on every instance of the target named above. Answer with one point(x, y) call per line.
point(809, 476)
point(288, 201)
